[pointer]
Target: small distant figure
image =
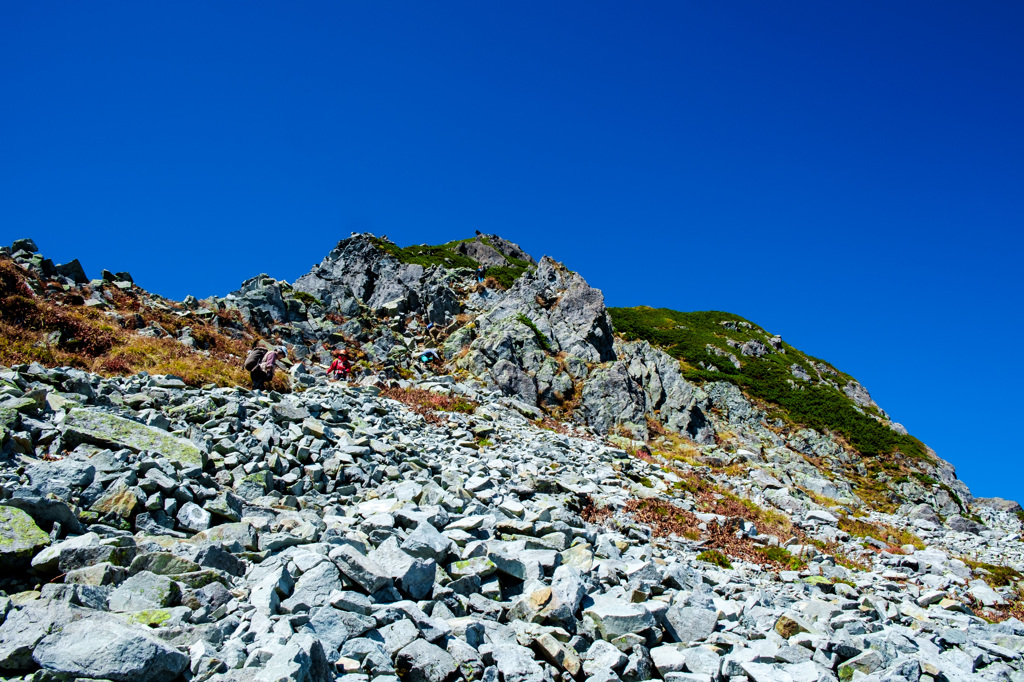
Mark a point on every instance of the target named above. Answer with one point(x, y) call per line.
point(430, 356)
point(264, 368)
point(480, 273)
point(433, 331)
point(341, 368)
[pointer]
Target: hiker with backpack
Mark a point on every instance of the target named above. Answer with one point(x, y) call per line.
point(429, 356)
point(261, 364)
point(341, 368)
point(480, 272)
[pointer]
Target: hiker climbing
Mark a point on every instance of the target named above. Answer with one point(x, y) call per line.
point(429, 356)
point(341, 368)
point(480, 272)
point(261, 364)
point(433, 331)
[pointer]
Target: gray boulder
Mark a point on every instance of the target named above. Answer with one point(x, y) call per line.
point(611, 398)
point(72, 270)
point(482, 253)
point(668, 396)
point(192, 517)
point(426, 542)
point(615, 617)
point(365, 572)
point(689, 623)
point(24, 628)
point(20, 538)
point(314, 588)
point(25, 244)
point(997, 503)
point(102, 648)
point(111, 431)
point(962, 525)
point(509, 249)
point(328, 624)
point(143, 591)
point(412, 575)
point(302, 659)
point(422, 661)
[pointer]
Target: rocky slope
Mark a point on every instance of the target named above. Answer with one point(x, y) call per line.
point(558, 502)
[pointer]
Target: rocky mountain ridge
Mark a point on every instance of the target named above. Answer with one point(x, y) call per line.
point(556, 502)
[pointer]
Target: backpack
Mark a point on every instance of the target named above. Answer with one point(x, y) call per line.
point(253, 358)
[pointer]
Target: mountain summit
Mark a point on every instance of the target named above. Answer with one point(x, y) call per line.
point(517, 484)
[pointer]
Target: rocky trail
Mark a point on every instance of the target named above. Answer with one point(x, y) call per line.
point(556, 504)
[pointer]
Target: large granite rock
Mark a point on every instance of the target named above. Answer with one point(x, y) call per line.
point(20, 538)
point(102, 648)
point(111, 431)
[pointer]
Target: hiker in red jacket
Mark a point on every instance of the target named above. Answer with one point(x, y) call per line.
point(341, 368)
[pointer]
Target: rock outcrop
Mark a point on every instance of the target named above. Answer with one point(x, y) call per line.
point(335, 533)
point(555, 503)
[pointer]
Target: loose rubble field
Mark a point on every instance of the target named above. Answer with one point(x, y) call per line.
point(150, 531)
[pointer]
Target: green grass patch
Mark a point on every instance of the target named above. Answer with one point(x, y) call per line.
point(783, 556)
point(306, 299)
point(505, 275)
point(448, 256)
point(815, 403)
point(542, 340)
point(880, 531)
point(716, 558)
point(993, 574)
point(444, 255)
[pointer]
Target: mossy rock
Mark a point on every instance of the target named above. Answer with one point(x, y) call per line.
point(153, 618)
point(8, 422)
point(119, 499)
point(162, 563)
point(480, 566)
point(253, 485)
point(20, 538)
point(111, 431)
point(817, 580)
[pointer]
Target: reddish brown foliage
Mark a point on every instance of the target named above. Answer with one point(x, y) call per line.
point(427, 404)
point(664, 519)
point(996, 614)
point(550, 424)
point(56, 330)
point(590, 512)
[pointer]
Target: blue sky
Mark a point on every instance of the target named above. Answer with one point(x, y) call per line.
point(850, 176)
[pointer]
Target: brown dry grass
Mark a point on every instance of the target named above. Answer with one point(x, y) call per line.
point(590, 512)
point(57, 330)
point(666, 519)
point(427, 404)
point(166, 356)
point(882, 532)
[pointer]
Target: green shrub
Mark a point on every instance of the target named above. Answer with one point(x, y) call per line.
point(444, 255)
point(713, 556)
point(306, 299)
point(783, 556)
point(924, 478)
point(993, 574)
point(542, 340)
point(505, 275)
point(815, 404)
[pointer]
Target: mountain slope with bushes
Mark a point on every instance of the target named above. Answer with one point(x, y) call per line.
point(572, 493)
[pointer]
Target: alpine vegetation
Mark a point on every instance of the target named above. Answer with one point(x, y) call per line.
point(507, 482)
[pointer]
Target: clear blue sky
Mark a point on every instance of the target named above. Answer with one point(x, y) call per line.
point(847, 175)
